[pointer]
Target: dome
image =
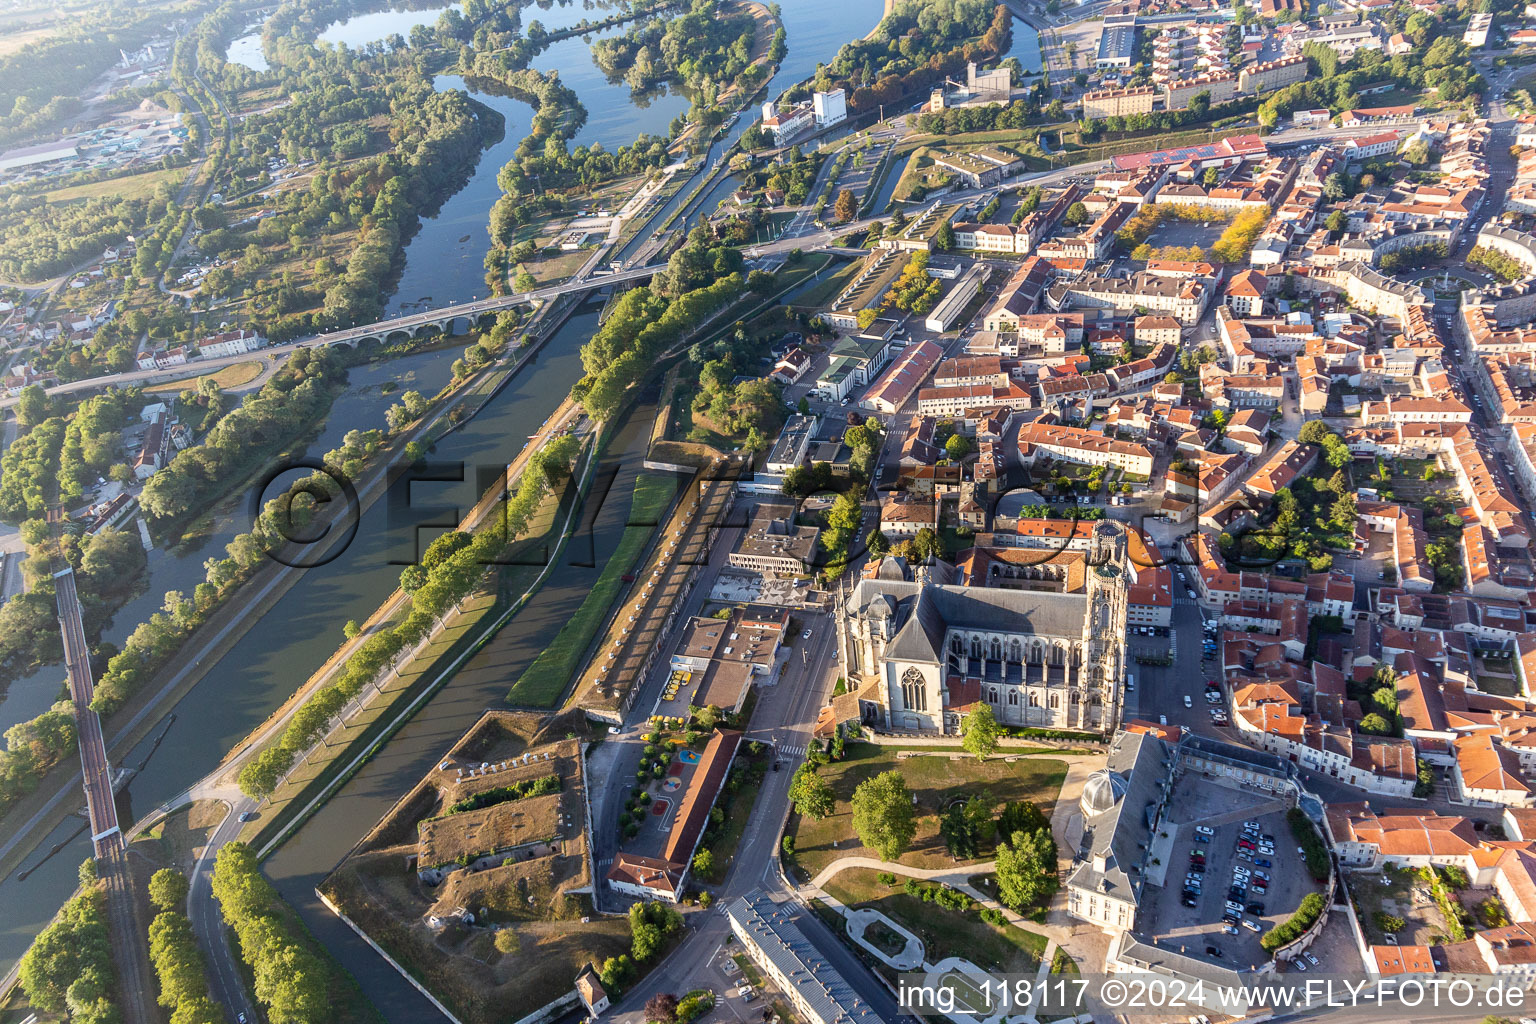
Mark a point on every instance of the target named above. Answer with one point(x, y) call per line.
point(1101, 792)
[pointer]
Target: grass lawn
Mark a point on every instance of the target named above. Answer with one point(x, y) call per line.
point(545, 680)
point(945, 933)
point(936, 782)
point(827, 288)
point(558, 266)
point(748, 970)
point(737, 813)
point(232, 376)
point(966, 995)
point(129, 186)
point(885, 938)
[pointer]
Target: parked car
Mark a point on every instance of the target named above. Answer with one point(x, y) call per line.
point(1314, 961)
point(1205, 830)
point(1263, 862)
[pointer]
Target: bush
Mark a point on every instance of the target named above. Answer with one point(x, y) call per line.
point(694, 1005)
point(540, 786)
point(1389, 923)
point(1313, 850)
point(1311, 908)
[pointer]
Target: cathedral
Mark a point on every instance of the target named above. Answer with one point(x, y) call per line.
point(922, 647)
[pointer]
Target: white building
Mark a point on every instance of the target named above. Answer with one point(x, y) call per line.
point(786, 125)
point(829, 108)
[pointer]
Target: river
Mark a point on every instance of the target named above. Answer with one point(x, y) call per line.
point(281, 650)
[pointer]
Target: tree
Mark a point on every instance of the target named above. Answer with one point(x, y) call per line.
point(1026, 869)
point(810, 793)
point(883, 818)
point(1020, 816)
point(957, 447)
point(846, 207)
point(168, 889)
point(980, 731)
point(1313, 432)
point(661, 1008)
point(944, 238)
point(350, 629)
point(704, 863)
point(33, 406)
point(523, 281)
point(927, 545)
point(846, 514)
point(1077, 214)
point(1375, 725)
point(955, 830)
point(879, 545)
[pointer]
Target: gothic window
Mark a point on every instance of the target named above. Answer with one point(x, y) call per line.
point(955, 647)
point(997, 649)
point(1103, 616)
point(1016, 652)
point(976, 647)
point(991, 695)
point(1034, 700)
point(1013, 697)
point(1055, 700)
point(914, 693)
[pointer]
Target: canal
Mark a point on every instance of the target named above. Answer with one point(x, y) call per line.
point(282, 649)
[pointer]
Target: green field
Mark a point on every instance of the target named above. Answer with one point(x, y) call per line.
point(129, 186)
point(544, 681)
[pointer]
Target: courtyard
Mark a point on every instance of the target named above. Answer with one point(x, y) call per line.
point(1223, 808)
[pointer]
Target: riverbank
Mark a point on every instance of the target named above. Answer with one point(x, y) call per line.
point(46, 808)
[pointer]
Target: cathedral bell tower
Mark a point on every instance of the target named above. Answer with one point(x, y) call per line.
point(1104, 629)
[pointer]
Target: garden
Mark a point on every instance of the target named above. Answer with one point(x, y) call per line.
point(938, 782)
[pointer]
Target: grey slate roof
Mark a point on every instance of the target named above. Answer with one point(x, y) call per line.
point(1122, 835)
point(820, 986)
point(923, 612)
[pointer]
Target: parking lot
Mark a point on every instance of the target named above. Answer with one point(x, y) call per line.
point(1222, 808)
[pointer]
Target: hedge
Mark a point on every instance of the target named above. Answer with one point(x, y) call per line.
point(1312, 906)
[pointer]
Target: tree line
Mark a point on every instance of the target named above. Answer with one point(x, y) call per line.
point(290, 981)
point(247, 437)
point(68, 969)
point(446, 582)
point(178, 963)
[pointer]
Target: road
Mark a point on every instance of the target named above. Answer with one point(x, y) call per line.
point(784, 716)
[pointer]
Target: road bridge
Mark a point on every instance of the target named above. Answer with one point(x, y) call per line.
point(441, 318)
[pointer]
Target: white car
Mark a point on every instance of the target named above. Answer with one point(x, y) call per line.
point(1188, 702)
